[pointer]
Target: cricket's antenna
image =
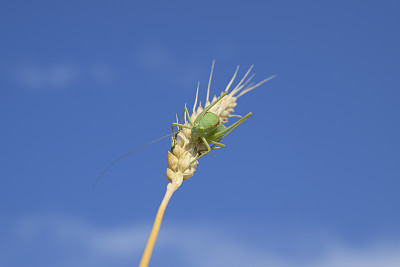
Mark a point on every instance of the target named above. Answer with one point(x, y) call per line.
point(123, 156)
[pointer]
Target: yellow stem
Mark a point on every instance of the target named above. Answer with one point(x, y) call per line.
point(156, 226)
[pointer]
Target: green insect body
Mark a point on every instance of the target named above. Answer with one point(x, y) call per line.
point(207, 128)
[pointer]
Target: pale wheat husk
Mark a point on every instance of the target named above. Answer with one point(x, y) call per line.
point(187, 150)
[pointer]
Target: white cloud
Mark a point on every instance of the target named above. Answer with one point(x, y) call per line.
point(38, 77)
point(76, 243)
point(154, 57)
point(159, 60)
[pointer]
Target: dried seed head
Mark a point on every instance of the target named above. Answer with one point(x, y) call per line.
point(175, 177)
point(181, 140)
point(176, 151)
point(186, 132)
point(170, 175)
point(172, 161)
point(183, 162)
point(182, 159)
point(224, 108)
point(187, 174)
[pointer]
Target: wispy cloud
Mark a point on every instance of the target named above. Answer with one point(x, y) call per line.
point(33, 76)
point(38, 77)
point(72, 242)
point(160, 60)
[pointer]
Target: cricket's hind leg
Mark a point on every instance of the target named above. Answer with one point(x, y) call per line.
point(220, 135)
point(205, 141)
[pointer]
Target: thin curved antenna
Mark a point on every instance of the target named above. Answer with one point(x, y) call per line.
point(123, 156)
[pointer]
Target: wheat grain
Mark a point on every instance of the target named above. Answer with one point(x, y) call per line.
point(185, 150)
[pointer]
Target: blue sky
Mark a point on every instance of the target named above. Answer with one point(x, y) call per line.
point(311, 179)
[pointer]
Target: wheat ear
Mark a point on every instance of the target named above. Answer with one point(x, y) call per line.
point(182, 161)
point(186, 150)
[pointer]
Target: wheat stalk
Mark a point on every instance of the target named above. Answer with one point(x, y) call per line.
point(182, 161)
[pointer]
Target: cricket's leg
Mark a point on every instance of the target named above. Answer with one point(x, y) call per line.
point(174, 134)
point(219, 145)
point(188, 117)
point(185, 111)
point(208, 150)
point(181, 125)
point(210, 106)
point(229, 129)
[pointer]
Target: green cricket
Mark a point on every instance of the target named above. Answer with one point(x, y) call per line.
point(207, 127)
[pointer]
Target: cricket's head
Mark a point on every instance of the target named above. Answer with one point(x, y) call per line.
point(205, 125)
